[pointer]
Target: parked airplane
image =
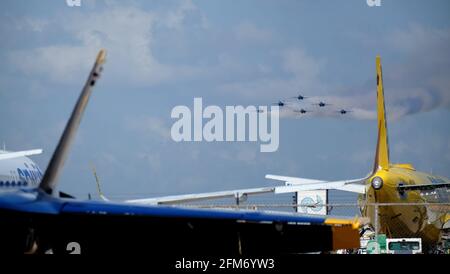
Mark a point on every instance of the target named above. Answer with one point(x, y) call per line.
point(391, 183)
point(17, 170)
point(37, 220)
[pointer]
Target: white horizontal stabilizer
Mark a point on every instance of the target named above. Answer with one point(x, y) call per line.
point(294, 184)
point(293, 180)
point(11, 155)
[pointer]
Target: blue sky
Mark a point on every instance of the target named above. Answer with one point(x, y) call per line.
point(164, 53)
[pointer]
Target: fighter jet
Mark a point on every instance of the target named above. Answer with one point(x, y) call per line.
point(322, 104)
point(301, 111)
point(299, 97)
point(344, 111)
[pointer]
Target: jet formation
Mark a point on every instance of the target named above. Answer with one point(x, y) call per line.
point(292, 104)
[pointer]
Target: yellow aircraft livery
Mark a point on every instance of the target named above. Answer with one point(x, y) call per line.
point(412, 198)
point(410, 203)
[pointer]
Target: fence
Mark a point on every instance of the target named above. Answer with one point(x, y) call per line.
point(396, 220)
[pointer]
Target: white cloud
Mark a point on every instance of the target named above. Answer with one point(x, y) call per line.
point(264, 88)
point(302, 66)
point(126, 32)
point(176, 17)
point(57, 63)
point(304, 77)
point(418, 82)
point(417, 39)
point(303, 71)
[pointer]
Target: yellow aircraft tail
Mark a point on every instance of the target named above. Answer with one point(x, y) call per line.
point(382, 152)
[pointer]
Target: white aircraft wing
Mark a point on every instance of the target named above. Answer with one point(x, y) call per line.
point(11, 155)
point(293, 180)
point(294, 184)
point(238, 194)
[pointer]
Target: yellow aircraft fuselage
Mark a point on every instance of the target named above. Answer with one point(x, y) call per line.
point(408, 213)
point(410, 203)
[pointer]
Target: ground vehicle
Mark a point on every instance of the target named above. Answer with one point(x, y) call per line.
point(404, 246)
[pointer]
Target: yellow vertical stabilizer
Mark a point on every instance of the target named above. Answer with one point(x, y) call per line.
point(382, 153)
